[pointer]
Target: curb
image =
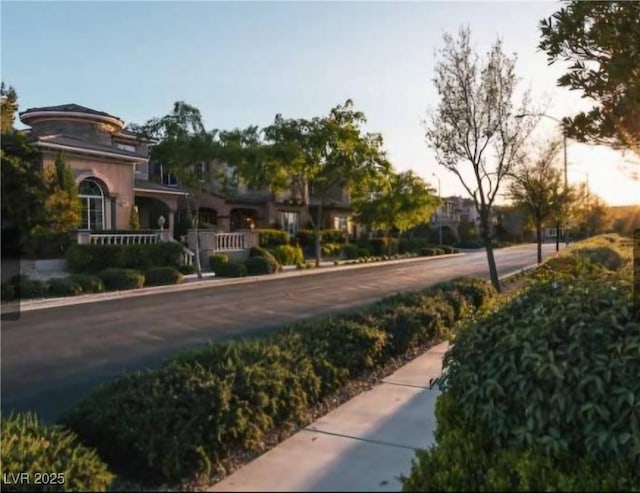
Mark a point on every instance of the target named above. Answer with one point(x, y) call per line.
point(213, 283)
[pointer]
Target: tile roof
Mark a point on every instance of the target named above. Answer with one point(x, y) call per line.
point(68, 140)
point(75, 108)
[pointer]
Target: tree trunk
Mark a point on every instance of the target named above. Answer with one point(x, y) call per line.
point(197, 252)
point(557, 238)
point(486, 236)
point(539, 240)
point(318, 235)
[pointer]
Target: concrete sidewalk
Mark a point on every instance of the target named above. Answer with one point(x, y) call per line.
point(363, 445)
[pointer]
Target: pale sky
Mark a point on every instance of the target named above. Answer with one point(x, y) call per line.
point(241, 63)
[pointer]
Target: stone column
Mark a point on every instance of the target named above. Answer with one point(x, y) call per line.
point(83, 237)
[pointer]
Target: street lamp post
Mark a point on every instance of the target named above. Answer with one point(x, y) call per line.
point(438, 214)
point(566, 180)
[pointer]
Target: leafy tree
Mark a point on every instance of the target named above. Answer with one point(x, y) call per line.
point(474, 129)
point(62, 204)
point(8, 106)
point(186, 149)
point(601, 41)
point(22, 181)
point(537, 187)
point(589, 214)
point(327, 153)
point(23, 189)
point(400, 201)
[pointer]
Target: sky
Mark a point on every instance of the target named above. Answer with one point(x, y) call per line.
point(241, 63)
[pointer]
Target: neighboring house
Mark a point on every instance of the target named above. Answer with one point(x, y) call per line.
point(114, 174)
point(452, 211)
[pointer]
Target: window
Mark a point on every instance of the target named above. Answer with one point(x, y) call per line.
point(126, 147)
point(340, 223)
point(290, 222)
point(168, 178)
point(92, 200)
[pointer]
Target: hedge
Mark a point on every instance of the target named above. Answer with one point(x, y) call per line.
point(160, 276)
point(261, 265)
point(232, 269)
point(217, 262)
point(307, 237)
point(540, 392)
point(180, 421)
point(288, 255)
point(63, 286)
point(383, 246)
point(272, 238)
point(30, 447)
point(121, 279)
point(91, 259)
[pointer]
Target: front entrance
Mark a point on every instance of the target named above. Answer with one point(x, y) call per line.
point(243, 219)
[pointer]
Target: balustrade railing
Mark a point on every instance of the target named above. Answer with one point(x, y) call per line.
point(124, 238)
point(230, 242)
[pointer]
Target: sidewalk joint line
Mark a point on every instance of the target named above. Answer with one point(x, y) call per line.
point(407, 385)
point(366, 440)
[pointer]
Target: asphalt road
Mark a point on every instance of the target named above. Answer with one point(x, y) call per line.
point(51, 358)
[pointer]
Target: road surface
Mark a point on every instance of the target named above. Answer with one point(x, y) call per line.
point(51, 358)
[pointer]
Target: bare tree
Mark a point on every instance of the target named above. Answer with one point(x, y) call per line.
point(536, 186)
point(474, 129)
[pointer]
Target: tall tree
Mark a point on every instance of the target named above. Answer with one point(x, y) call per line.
point(401, 201)
point(185, 149)
point(601, 41)
point(62, 202)
point(475, 130)
point(8, 107)
point(536, 186)
point(589, 214)
point(326, 153)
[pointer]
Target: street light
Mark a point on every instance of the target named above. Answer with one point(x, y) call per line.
point(437, 214)
point(566, 179)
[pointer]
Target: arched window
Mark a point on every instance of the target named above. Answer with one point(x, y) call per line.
point(92, 198)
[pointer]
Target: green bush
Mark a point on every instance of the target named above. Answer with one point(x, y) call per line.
point(44, 244)
point(8, 292)
point(121, 279)
point(272, 238)
point(28, 446)
point(232, 269)
point(90, 259)
point(307, 239)
point(540, 392)
point(261, 265)
point(288, 255)
point(331, 249)
point(363, 252)
point(160, 276)
point(218, 262)
point(186, 270)
point(351, 251)
point(196, 410)
point(383, 246)
point(607, 256)
point(427, 252)
point(88, 283)
point(63, 286)
point(27, 288)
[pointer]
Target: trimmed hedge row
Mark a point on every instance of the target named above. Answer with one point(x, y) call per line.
point(30, 447)
point(24, 287)
point(180, 421)
point(541, 392)
point(288, 255)
point(91, 259)
point(272, 238)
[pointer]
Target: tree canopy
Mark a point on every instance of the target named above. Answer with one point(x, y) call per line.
point(400, 200)
point(601, 42)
